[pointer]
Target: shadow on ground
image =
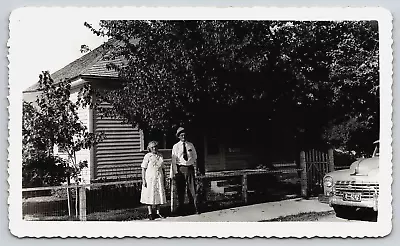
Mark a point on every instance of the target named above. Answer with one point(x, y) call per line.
point(310, 216)
point(360, 215)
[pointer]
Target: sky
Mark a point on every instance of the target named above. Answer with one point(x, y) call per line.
point(47, 41)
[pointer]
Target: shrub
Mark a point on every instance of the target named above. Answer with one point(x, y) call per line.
point(43, 171)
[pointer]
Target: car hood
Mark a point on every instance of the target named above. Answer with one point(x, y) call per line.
point(365, 166)
point(363, 169)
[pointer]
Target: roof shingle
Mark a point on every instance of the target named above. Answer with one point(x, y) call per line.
point(91, 64)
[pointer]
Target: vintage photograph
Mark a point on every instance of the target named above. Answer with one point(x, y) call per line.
point(158, 121)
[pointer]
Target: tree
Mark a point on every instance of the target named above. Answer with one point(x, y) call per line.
point(301, 79)
point(53, 120)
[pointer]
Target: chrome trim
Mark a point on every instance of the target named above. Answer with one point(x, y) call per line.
point(367, 190)
point(369, 203)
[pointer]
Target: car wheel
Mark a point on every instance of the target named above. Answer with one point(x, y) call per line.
point(344, 211)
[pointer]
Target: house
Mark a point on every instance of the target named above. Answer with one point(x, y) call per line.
point(120, 154)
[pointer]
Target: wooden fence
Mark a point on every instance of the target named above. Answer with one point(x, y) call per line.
point(315, 164)
point(85, 200)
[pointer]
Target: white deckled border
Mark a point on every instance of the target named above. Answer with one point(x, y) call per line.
point(22, 228)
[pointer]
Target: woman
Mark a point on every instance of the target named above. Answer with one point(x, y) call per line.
point(153, 192)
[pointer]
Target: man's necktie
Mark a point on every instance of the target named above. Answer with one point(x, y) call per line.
point(185, 156)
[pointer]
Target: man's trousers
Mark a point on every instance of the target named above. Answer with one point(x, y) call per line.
point(185, 182)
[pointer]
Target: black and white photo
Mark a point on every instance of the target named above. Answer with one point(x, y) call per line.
point(143, 118)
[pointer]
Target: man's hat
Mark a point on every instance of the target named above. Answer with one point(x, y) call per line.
point(179, 131)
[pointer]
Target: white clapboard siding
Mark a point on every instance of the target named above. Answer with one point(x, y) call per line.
point(231, 161)
point(84, 154)
point(120, 154)
point(213, 163)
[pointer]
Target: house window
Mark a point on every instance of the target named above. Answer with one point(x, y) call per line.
point(212, 146)
point(165, 140)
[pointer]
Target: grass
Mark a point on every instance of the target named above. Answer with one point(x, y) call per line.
point(139, 213)
point(127, 214)
point(306, 216)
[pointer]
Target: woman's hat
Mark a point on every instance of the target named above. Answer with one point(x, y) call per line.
point(179, 131)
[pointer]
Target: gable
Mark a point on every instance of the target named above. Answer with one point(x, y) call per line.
point(92, 64)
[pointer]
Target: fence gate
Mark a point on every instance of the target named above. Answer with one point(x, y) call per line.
point(315, 165)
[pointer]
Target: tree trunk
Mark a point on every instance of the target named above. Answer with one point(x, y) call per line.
point(303, 178)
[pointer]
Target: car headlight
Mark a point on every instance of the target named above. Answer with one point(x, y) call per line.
point(328, 181)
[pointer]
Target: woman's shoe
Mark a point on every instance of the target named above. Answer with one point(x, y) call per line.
point(158, 215)
point(151, 217)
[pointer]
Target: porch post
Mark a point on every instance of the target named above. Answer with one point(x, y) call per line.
point(203, 182)
point(205, 152)
point(331, 161)
point(244, 188)
point(303, 175)
point(164, 141)
point(222, 158)
point(92, 161)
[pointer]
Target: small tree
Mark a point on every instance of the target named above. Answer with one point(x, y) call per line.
point(54, 121)
point(39, 166)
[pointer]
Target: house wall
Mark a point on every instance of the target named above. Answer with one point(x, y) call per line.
point(227, 161)
point(235, 161)
point(84, 154)
point(30, 96)
point(225, 158)
point(121, 152)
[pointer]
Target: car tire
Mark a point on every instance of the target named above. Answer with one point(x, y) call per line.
point(344, 211)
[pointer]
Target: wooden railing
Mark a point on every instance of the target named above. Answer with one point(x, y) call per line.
point(82, 203)
point(244, 174)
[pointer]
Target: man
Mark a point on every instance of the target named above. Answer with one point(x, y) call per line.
point(184, 169)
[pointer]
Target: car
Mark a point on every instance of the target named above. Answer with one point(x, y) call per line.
point(355, 188)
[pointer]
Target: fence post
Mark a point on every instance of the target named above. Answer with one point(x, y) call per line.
point(244, 188)
point(303, 175)
point(174, 196)
point(331, 160)
point(82, 203)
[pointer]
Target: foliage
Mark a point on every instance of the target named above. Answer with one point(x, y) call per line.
point(53, 120)
point(33, 145)
point(291, 82)
point(41, 171)
point(344, 159)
